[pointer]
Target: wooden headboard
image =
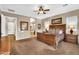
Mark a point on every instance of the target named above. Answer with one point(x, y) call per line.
point(58, 26)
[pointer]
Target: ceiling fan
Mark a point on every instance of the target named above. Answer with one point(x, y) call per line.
point(41, 10)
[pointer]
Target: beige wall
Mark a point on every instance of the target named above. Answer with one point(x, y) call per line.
point(19, 34)
point(39, 22)
point(72, 13)
point(23, 34)
point(26, 34)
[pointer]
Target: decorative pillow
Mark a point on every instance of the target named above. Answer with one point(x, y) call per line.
point(60, 32)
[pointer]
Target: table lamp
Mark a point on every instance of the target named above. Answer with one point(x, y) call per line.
point(71, 29)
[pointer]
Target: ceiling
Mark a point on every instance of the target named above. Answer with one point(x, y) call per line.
point(27, 9)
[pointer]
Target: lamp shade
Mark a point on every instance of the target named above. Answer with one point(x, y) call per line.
point(72, 26)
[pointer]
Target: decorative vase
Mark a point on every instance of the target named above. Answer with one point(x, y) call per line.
point(71, 31)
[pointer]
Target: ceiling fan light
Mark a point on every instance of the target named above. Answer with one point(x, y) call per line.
point(41, 12)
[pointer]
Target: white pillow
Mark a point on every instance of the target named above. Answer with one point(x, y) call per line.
point(60, 32)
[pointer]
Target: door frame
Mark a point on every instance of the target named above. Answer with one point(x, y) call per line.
point(14, 20)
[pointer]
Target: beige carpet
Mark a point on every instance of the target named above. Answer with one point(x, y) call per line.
point(35, 47)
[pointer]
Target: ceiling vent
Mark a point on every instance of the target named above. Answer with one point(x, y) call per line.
point(10, 10)
point(65, 5)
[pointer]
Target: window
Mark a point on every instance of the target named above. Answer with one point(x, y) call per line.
point(72, 22)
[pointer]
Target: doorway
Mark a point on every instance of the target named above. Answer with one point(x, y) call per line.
point(11, 28)
point(11, 31)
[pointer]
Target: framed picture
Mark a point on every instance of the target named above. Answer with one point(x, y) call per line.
point(56, 21)
point(39, 26)
point(23, 25)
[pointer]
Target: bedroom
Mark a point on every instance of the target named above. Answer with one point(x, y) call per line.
point(30, 31)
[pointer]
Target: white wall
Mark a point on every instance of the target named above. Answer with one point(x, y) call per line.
point(3, 26)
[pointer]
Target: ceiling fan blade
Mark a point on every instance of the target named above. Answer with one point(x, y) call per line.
point(46, 9)
point(44, 12)
point(38, 13)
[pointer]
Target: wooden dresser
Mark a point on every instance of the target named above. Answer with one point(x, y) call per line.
point(71, 38)
point(47, 38)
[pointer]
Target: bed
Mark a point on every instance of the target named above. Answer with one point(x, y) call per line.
point(59, 31)
point(55, 34)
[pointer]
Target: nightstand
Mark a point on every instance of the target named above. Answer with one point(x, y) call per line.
point(72, 38)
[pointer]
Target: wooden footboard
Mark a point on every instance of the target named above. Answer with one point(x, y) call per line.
point(47, 38)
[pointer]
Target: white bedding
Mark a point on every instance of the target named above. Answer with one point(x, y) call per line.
point(59, 37)
point(59, 34)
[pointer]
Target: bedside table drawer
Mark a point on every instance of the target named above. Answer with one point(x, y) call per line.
point(71, 38)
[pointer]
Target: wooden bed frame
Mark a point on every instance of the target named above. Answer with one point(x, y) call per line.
point(47, 38)
point(50, 38)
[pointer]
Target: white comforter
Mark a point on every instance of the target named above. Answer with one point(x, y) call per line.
point(59, 38)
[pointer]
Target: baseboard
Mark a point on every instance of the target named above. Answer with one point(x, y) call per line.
point(24, 39)
point(5, 53)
